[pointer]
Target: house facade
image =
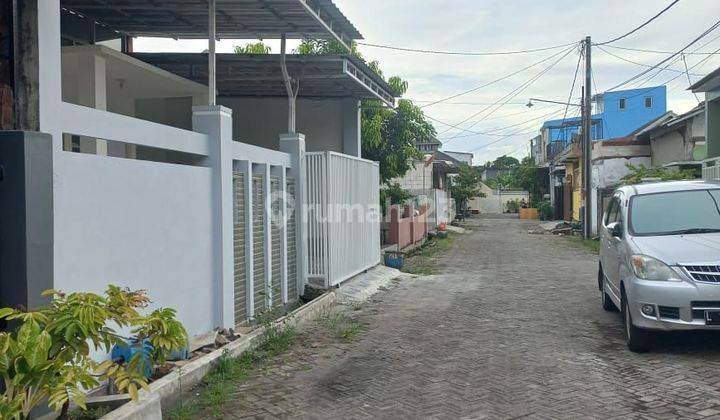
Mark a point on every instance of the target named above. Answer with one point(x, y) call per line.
point(710, 86)
point(188, 176)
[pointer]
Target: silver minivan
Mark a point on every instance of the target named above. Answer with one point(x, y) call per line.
point(660, 258)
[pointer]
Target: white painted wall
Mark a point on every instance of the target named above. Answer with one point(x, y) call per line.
point(136, 224)
point(261, 121)
point(419, 179)
point(494, 200)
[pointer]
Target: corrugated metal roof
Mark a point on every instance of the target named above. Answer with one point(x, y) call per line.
point(244, 19)
point(246, 75)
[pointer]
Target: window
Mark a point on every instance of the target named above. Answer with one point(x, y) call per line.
point(622, 103)
point(648, 102)
point(675, 213)
point(611, 212)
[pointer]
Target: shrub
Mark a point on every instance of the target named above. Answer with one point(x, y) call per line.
point(47, 357)
point(545, 209)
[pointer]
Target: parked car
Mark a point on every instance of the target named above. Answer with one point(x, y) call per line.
point(660, 258)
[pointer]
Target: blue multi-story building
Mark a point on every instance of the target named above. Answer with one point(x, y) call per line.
point(617, 114)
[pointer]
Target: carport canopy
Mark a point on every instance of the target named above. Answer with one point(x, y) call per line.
point(236, 19)
point(260, 75)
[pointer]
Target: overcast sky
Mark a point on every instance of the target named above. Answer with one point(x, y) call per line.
point(490, 25)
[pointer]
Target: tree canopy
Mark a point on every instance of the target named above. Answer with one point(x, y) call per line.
point(466, 185)
point(504, 162)
point(389, 136)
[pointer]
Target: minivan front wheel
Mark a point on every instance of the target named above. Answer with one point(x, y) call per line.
point(637, 339)
point(607, 303)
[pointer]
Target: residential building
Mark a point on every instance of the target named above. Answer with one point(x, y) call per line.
point(616, 114)
point(428, 145)
point(679, 141)
point(492, 172)
point(464, 157)
point(208, 180)
point(710, 86)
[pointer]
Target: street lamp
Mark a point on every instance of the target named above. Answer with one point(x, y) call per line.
point(530, 103)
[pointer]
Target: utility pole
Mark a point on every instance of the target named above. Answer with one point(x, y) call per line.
point(587, 141)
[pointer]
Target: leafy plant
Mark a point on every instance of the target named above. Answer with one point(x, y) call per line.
point(393, 194)
point(545, 210)
point(640, 173)
point(512, 206)
point(47, 357)
point(253, 48)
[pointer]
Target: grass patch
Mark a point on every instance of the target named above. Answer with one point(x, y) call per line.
point(339, 324)
point(218, 385)
point(592, 245)
point(420, 262)
point(90, 414)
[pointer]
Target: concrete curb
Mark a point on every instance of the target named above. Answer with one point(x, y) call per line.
point(168, 390)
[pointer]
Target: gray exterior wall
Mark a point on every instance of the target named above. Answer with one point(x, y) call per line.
point(26, 212)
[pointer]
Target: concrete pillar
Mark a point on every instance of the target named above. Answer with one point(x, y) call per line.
point(50, 78)
point(294, 145)
point(352, 130)
point(216, 122)
point(92, 92)
point(267, 224)
point(26, 211)
point(26, 65)
point(246, 167)
point(281, 173)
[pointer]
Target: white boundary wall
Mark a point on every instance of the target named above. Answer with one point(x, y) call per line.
point(166, 228)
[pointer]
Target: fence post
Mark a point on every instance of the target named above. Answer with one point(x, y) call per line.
point(216, 122)
point(294, 145)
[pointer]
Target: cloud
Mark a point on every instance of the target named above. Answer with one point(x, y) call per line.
point(493, 25)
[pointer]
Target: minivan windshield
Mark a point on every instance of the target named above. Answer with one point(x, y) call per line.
point(675, 213)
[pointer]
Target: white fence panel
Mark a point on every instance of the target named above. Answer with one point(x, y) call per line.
point(344, 216)
point(711, 169)
point(137, 224)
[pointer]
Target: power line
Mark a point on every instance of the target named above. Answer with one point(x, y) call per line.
point(572, 90)
point(463, 53)
point(655, 51)
point(508, 97)
point(687, 72)
point(644, 72)
point(494, 131)
point(496, 80)
point(641, 26)
point(635, 62)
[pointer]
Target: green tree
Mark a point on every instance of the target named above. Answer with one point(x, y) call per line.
point(47, 356)
point(389, 135)
point(253, 48)
point(504, 162)
point(466, 185)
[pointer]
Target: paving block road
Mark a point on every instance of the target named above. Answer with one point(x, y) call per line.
point(511, 327)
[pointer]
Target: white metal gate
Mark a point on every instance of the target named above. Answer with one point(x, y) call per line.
point(343, 216)
point(276, 231)
point(292, 286)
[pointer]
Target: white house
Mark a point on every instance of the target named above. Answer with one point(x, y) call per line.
point(221, 184)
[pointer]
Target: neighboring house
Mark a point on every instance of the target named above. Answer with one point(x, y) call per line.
point(124, 169)
point(495, 201)
point(429, 145)
point(464, 157)
point(491, 172)
point(429, 182)
point(710, 86)
point(617, 114)
point(679, 141)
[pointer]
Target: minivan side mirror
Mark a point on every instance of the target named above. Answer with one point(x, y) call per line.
point(616, 229)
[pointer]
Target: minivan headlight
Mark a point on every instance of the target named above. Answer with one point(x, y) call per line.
point(649, 268)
